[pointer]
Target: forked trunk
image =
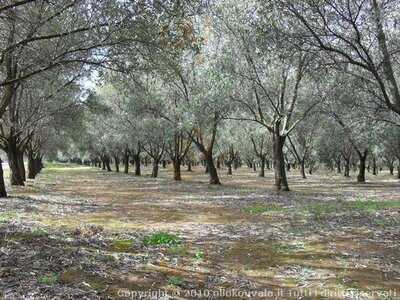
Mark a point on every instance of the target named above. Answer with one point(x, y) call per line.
point(278, 142)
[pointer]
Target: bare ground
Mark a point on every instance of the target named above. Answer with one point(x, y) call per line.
point(79, 233)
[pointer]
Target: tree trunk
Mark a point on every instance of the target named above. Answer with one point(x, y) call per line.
point(338, 166)
point(278, 142)
point(32, 170)
point(21, 165)
point(229, 165)
point(137, 165)
point(3, 191)
point(362, 166)
point(108, 165)
point(398, 169)
point(262, 167)
point(254, 167)
point(16, 177)
point(126, 162)
point(116, 162)
point(177, 169)
point(391, 169)
point(302, 169)
point(164, 164)
point(154, 173)
point(374, 168)
point(212, 171)
point(189, 166)
point(347, 168)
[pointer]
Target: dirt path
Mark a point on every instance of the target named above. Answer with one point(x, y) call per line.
point(83, 233)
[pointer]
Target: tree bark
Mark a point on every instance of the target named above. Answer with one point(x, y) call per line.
point(126, 162)
point(262, 167)
point(212, 171)
point(302, 169)
point(3, 191)
point(137, 165)
point(229, 165)
point(16, 176)
point(347, 168)
point(154, 173)
point(116, 162)
point(278, 142)
point(391, 169)
point(338, 166)
point(177, 169)
point(362, 166)
point(374, 168)
point(32, 166)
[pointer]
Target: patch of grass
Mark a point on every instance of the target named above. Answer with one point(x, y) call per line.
point(372, 206)
point(321, 210)
point(179, 250)
point(161, 238)
point(49, 279)
point(121, 246)
point(39, 232)
point(175, 281)
point(260, 209)
point(6, 217)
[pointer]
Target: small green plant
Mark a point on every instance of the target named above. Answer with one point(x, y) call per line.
point(175, 280)
point(260, 209)
point(121, 245)
point(199, 254)
point(49, 279)
point(162, 238)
